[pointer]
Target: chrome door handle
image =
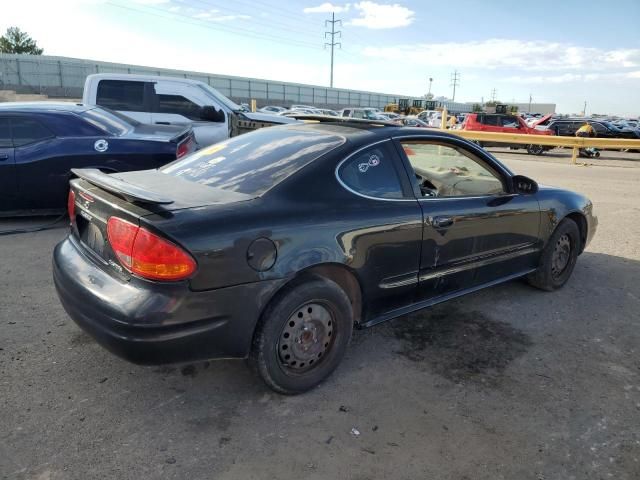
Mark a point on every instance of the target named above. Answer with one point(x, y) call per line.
point(439, 222)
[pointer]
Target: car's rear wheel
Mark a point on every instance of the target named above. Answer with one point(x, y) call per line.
point(558, 258)
point(302, 336)
point(535, 149)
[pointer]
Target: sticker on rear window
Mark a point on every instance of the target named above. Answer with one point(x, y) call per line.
point(374, 161)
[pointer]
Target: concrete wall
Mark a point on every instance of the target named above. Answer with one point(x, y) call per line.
point(64, 77)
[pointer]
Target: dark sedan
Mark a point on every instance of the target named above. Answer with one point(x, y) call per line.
point(271, 246)
point(41, 142)
point(603, 129)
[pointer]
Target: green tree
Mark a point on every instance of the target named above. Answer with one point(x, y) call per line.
point(477, 107)
point(17, 41)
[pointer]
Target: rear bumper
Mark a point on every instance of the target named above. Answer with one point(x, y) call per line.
point(153, 323)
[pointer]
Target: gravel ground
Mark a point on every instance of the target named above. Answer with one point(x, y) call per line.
point(507, 383)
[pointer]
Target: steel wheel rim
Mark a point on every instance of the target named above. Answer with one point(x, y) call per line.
point(561, 256)
point(306, 338)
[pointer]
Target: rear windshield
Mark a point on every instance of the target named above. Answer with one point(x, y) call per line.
point(254, 162)
point(109, 121)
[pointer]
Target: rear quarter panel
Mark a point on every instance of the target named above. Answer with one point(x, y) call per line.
point(43, 168)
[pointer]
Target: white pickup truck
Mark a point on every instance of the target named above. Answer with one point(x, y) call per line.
point(175, 101)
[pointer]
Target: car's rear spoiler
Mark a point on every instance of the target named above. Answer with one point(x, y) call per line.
point(111, 183)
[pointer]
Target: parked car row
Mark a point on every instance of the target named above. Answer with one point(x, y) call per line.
point(568, 126)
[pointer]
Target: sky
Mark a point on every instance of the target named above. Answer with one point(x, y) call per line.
point(562, 51)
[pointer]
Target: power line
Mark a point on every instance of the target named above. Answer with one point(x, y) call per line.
point(333, 43)
point(270, 23)
point(455, 81)
point(167, 15)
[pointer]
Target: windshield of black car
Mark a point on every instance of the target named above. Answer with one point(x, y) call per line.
point(254, 162)
point(109, 121)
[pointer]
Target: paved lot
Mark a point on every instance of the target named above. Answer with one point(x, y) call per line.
point(508, 383)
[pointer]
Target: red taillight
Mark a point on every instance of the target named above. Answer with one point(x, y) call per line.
point(184, 148)
point(71, 206)
point(146, 254)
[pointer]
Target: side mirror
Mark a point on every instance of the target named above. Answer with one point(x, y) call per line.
point(210, 114)
point(524, 185)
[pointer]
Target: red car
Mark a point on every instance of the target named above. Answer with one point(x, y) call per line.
point(504, 123)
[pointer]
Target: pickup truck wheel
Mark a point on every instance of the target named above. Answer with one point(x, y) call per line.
point(302, 336)
point(535, 149)
point(558, 257)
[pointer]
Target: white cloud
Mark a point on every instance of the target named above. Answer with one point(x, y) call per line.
point(571, 77)
point(213, 15)
point(151, 2)
point(327, 8)
point(505, 53)
point(378, 16)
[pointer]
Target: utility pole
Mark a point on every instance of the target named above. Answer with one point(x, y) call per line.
point(530, 98)
point(584, 110)
point(333, 43)
point(455, 81)
point(493, 95)
point(430, 82)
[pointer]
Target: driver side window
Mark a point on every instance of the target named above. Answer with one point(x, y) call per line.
point(445, 171)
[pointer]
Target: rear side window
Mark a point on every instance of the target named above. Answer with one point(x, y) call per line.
point(121, 95)
point(179, 105)
point(26, 131)
point(5, 133)
point(372, 172)
point(109, 121)
point(489, 120)
point(254, 162)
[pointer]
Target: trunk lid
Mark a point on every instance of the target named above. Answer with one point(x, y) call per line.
point(132, 196)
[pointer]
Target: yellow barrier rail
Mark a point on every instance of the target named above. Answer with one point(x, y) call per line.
point(575, 143)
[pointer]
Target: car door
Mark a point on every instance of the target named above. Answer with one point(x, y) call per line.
point(475, 231)
point(38, 179)
point(129, 97)
point(509, 124)
point(382, 232)
point(8, 183)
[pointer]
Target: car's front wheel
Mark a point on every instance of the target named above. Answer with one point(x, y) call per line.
point(302, 336)
point(558, 257)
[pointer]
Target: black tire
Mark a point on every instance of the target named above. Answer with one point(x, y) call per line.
point(557, 263)
point(535, 149)
point(291, 327)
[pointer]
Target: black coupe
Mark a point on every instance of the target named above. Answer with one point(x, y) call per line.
point(271, 246)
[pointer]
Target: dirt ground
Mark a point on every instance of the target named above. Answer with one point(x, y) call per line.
point(507, 383)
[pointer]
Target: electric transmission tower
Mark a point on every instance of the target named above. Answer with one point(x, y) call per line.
point(455, 82)
point(493, 95)
point(333, 42)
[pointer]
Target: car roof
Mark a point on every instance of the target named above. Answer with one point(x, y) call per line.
point(359, 131)
point(44, 107)
point(145, 78)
